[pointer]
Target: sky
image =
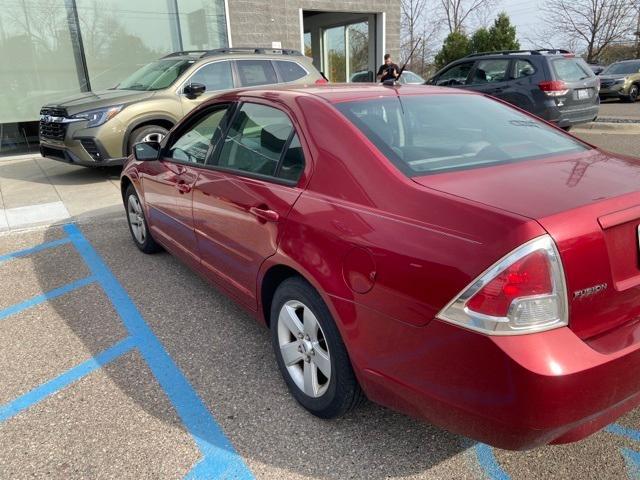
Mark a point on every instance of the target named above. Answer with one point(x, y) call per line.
point(524, 15)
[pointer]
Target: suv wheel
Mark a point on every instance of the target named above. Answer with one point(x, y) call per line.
point(310, 353)
point(633, 94)
point(148, 133)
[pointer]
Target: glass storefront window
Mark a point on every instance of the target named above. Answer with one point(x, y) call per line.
point(335, 54)
point(120, 36)
point(203, 24)
point(38, 66)
point(358, 44)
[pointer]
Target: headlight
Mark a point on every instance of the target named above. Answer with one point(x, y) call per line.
point(620, 80)
point(99, 115)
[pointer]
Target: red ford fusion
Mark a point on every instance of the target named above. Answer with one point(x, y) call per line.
point(434, 250)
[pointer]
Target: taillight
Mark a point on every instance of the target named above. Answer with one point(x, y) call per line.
point(321, 81)
point(554, 88)
point(523, 292)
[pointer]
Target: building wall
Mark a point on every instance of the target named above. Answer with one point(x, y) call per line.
point(258, 23)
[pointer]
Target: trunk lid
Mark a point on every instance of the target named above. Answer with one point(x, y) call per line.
point(580, 80)
point(589, 202)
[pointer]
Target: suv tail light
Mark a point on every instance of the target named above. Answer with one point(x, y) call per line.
point(523, 292)
point(321, 81)
point(554, 88)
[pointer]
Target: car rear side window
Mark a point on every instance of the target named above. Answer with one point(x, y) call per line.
point(293, 161)
point(570, 70)
point(523, 68)
point(256, 72)
point(437, 133)
point(256, 139)
point(289, 71)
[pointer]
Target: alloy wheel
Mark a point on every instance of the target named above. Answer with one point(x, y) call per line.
point(304, 348)
point(152, 137)
point(136, 219)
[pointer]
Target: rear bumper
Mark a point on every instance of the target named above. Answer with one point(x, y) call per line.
point(568, 117)
point(513, 392)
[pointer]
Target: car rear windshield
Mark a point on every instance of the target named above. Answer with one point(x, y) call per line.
point(156, 75)
point(437, 133)
point(571, 69)
point(624, 68)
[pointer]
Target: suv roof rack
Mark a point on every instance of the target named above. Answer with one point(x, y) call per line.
point(248, 50)
point(541, 51)
point(254, 50)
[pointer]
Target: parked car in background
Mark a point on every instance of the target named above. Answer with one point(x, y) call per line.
point(621, 80)
point(99, 128)
point(407, 78)
point(436, 250)
point(552, 84)
point(597, 69)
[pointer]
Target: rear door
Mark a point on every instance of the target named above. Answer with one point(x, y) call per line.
point(242, 199)
point(580, 80)
point(492, 77)
point(252, 72)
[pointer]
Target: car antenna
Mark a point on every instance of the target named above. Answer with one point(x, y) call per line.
point(392, 82)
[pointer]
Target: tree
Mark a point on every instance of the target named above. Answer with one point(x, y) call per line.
point(417, 24)
point(503, 34)
point(593, 24)
point(481, 41)
point(455, 46)
point(457, 13)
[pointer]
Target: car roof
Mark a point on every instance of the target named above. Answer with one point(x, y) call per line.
point(344, 92)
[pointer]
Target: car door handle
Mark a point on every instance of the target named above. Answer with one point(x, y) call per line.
point(264, 214)
point(183, 187)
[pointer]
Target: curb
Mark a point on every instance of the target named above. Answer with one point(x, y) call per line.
point(607, 127)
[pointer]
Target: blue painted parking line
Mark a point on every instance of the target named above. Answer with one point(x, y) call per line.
point(488, 462)
point(70, 376)
point(57, 292)
point(220, 460)
point(621, 431)
point(32, 250)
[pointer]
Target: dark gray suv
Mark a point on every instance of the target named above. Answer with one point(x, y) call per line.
point(552, 84)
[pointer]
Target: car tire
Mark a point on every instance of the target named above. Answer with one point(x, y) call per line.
point(317, 369)
point(148, 133)
point(633, 94)
point(138, 226)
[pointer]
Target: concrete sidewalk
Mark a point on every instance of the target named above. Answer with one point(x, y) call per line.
point(39, 191)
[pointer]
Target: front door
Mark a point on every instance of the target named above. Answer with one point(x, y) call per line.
point(215, 76)
point(168, 183)
point(240, 203)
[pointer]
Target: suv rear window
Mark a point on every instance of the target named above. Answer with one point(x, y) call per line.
point(437, 133)
point(570, 69)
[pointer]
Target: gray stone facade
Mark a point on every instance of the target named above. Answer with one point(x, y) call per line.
point(259, 23)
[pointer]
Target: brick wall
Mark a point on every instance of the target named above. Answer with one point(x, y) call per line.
point(258, 23)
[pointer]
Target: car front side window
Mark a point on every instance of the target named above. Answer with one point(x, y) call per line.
point(214, 76)
point(193, 145)
point(456, 75)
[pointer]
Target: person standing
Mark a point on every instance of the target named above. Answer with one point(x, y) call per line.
point(388, 70)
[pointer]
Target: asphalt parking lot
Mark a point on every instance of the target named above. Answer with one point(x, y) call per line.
point(123, 365)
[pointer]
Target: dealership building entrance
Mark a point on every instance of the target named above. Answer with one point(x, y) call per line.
point(52, 49)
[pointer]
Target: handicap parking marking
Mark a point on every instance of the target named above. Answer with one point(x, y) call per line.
point(219, 457)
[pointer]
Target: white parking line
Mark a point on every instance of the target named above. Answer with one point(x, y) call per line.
point(32, 214)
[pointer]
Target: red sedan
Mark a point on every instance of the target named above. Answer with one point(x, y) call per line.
point(434, 250)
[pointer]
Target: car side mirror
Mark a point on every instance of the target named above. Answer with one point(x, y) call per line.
point(146, 151)
point(194, 90)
